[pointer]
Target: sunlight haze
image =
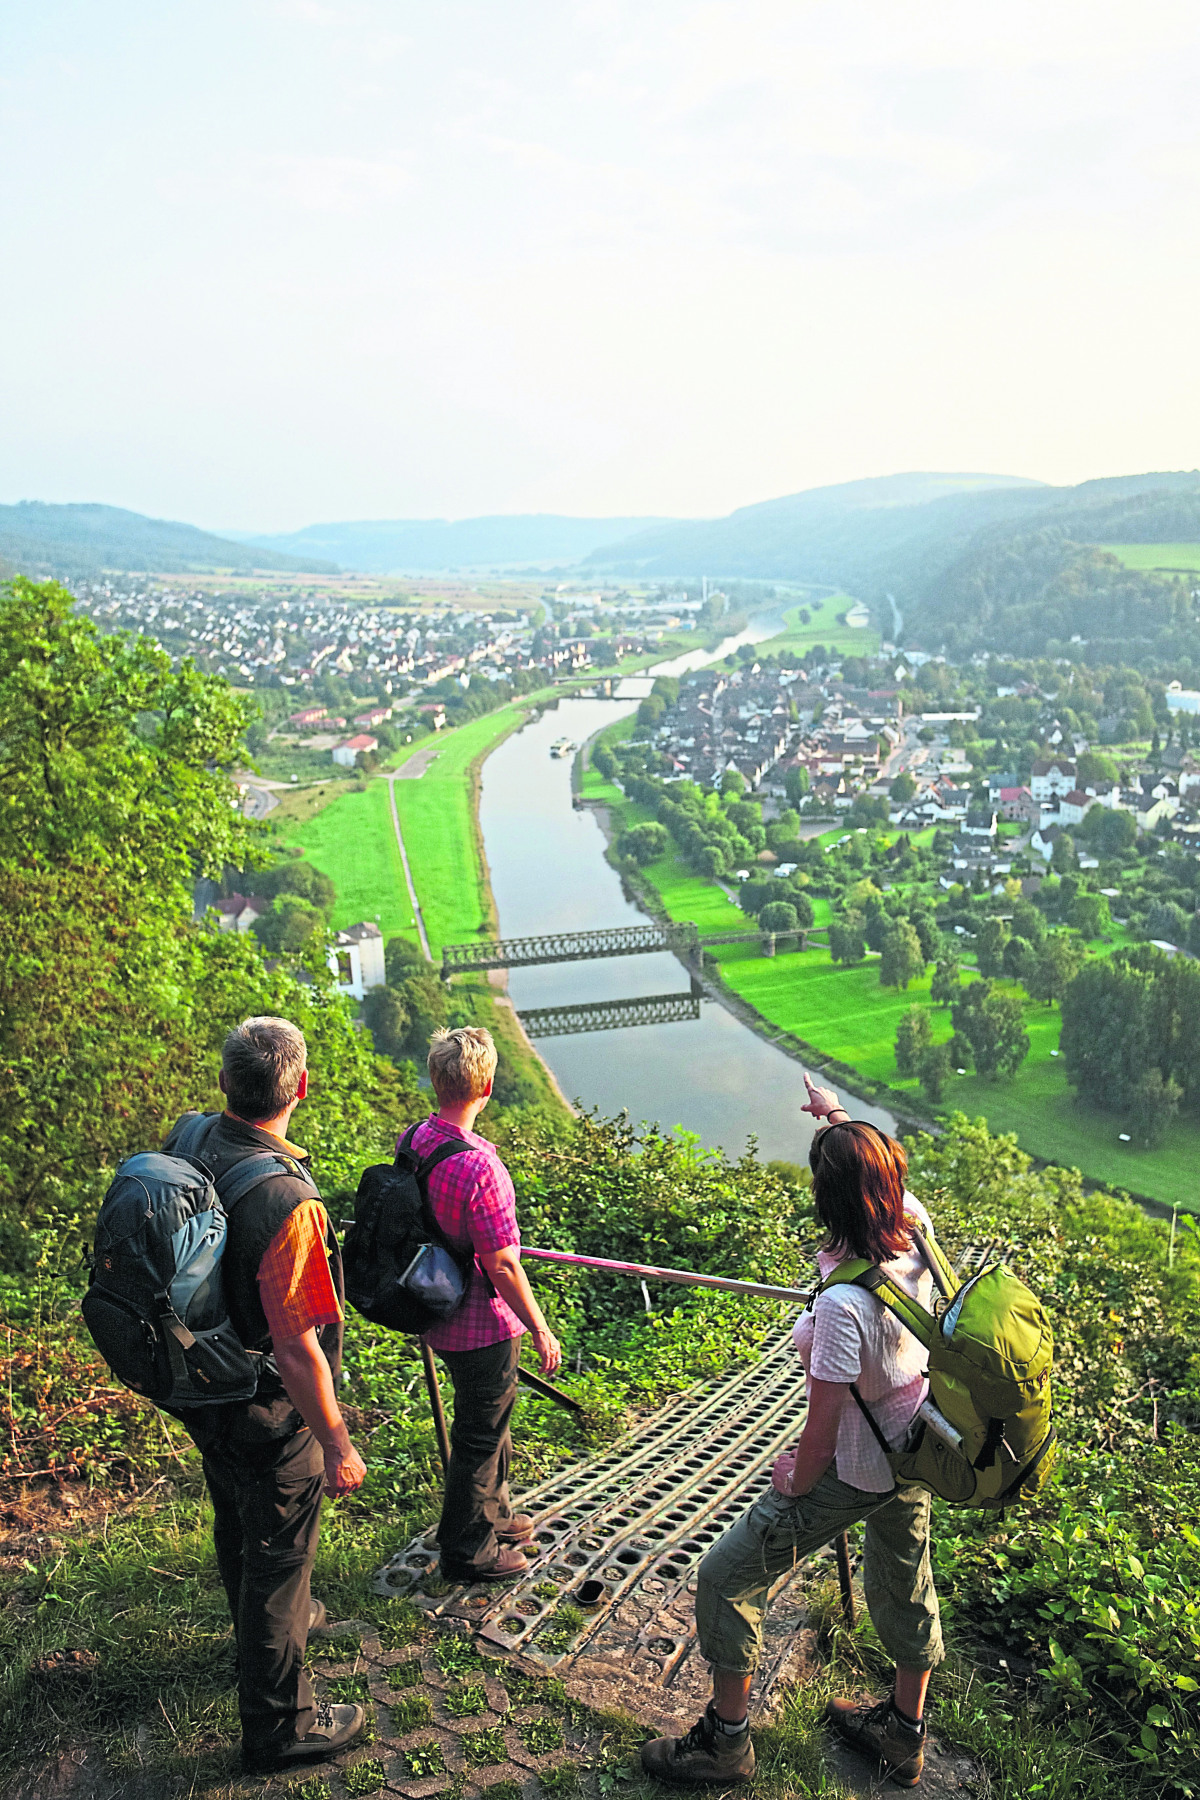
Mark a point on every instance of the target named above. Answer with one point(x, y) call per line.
point(276, 261)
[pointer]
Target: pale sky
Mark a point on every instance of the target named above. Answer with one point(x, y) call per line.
point(267, 262)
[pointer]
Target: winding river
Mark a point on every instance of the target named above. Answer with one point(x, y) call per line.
point(712, 1075)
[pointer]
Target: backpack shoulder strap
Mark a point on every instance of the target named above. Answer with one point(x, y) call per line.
point(859, 1273)
point(439, 1155)
point(247, 1174)
point(944, 1278)
point(194, 1134)
point(872, 1421)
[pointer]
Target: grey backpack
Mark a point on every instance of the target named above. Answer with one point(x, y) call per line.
point(155, 1304)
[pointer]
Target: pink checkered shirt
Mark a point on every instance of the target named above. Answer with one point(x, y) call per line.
point(473, 1201)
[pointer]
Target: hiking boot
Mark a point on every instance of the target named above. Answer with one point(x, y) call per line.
point(878, 1732)
point(516, 1528)
point(506, 1563)
point(317, 1615)
point(704, 1756)
point(333, 1727)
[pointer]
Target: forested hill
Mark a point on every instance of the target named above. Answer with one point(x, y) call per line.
point(67, 541)
point(857, 534)
point(408, 546)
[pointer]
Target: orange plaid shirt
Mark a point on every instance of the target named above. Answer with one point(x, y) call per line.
point(294, 1282)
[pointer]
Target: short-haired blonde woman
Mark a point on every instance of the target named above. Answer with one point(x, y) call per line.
point(836, 1476)
point(471, 1195)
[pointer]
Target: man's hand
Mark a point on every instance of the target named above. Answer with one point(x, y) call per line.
point(549, 1350)
point(345, 1470)
point(783, 1474)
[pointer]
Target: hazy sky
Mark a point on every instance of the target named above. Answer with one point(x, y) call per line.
point(274, 261)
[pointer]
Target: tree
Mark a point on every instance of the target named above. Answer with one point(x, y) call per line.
point(1063, 856)
point(846, 935)
point(930, 938)
point(388, 1020)
point(993, 1026)
point(803, 906)
point(400, 959)
point(109, 757)
point(778, 916)
point(947, 978)
point(900, 960)
point(796, 784)
point(643, 843)
point(933, 1071)
point(1058, 962)
point(604, 762)
point(1108, 832)
point(292, 926)
point(711, 861)
point(990, 940)
point(914, 1035)
point(295, 876)
point(903, 787)
point(1020, 960)
point(1028, 921)
point(733, 784)
point(1155, 1103)
point(1167, 920)
point(1094, 767)
point(650, 712)
point(1088, 915)
point(757, 893)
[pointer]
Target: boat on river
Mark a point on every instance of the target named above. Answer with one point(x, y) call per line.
point(562, 747)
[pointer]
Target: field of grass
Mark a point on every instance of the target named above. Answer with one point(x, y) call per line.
point(1172, 557)
point(352, 841)
point(822, 628)
point(437, 817)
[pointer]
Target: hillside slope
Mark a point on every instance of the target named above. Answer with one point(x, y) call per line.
point(407, 546)
point(67, 541)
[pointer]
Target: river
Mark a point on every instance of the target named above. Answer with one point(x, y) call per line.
point(712, 1076)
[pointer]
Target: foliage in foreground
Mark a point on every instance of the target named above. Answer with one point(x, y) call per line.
point(1094, 1586)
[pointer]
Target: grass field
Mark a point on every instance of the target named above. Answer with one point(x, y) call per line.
point(1175, 558)
point(437, 818)
point(822, 628)
point(352, 841)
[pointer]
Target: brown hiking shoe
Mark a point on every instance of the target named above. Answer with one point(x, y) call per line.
point(506, 1563)
point(516, 1528)
point(878, 1732)
point(703, 1757)
point(333, 1727)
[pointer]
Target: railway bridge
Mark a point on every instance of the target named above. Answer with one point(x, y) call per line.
point(682, 938)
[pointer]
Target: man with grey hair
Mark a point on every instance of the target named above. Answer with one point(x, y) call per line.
point(268, 1460)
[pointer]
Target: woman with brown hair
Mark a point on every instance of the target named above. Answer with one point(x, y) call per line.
point(836, 1476)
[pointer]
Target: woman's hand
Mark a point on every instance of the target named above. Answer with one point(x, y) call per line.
point(549, 1350)
point(783, 1474)
point(821, 1100)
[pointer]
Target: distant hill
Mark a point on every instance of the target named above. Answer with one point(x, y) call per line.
point(849, 534)
point(432, 546)
point(81, 540)
point(1034, 589)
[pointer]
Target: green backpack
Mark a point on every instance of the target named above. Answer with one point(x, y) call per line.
point(984, 1436)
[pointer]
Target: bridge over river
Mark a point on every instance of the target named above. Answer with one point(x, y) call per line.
point(682, 938)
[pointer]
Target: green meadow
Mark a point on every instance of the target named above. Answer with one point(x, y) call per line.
point(822, 628)
point(1173, 558)
point(353, 842)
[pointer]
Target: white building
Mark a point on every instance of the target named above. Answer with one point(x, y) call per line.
point(356, 959)
point(1052, 779)
point(1181, 699)
point(348, 753)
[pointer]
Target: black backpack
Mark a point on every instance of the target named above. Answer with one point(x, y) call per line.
point(401, 1269)
point(155, 1304)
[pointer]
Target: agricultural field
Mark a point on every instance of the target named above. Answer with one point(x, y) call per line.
point(1173, 558)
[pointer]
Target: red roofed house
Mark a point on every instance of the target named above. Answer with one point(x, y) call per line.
point(348, 753)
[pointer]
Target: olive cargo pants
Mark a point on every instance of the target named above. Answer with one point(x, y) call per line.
point(778, 1533)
